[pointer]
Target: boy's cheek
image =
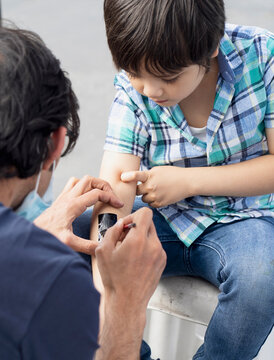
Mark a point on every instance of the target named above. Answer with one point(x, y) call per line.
point(137, 86)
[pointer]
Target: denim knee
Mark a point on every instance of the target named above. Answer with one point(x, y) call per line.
point(252, 280)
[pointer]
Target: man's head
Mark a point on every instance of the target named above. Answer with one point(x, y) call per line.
point(36, 101)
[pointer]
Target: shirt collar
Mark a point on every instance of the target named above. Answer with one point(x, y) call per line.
point(121, 80)
point(230, 62)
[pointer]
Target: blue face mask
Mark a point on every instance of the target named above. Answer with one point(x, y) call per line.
point(33, 205)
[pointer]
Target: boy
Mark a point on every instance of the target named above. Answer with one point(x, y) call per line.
point(195, 108)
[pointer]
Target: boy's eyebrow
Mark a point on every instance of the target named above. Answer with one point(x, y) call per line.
point(174, 75)
point(160, 75)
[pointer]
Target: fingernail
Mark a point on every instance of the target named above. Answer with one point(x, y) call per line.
point(120, 222)
point(124, 176)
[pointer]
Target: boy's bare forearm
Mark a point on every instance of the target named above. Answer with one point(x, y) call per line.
point(249, 178)
point(165, 185)
point(112, 166)
point(126, 194)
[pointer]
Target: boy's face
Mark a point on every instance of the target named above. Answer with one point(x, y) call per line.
point(167, 89)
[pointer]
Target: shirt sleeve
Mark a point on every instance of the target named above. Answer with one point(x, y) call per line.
point(269, 82)
point(65, 326)
point(127, 127)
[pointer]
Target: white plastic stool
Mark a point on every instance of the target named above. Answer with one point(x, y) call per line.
point(191, 302)
point(188, 298)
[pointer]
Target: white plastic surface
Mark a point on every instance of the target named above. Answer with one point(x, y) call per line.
point(188, 298)
point(172, 338)
point(177, 317)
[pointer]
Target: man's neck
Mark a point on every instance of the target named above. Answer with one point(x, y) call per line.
point(14, 190)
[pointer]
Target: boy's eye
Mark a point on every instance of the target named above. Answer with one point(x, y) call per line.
point(170, 81)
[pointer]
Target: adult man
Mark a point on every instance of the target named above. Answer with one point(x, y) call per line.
point(48, 305)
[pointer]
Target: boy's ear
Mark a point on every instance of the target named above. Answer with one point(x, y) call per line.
point(216, 52)
point(57, 144)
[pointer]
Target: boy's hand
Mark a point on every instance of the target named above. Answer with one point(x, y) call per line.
point(76, 197)
point(161, 185)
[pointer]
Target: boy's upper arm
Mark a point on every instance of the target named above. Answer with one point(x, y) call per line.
point(269, 83)
point(113, 164)
point(270, 140)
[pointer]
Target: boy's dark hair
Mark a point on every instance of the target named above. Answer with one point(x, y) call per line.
point(36, 98)
point(166, 35)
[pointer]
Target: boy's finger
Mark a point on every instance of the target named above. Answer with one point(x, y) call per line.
point(141, 189)
point(134, 176)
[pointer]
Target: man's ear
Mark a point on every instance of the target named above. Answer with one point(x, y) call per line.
point(57, 145)
point(216, 52)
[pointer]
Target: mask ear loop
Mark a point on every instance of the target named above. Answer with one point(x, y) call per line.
point(50, 146)
point(38, 180)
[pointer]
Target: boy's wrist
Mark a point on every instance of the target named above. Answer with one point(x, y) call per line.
point(192, 178)
point(199, 180)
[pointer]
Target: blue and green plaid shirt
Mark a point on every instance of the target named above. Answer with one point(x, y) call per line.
point(243, 108)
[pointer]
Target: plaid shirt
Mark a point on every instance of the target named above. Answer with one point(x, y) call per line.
point(243, 108)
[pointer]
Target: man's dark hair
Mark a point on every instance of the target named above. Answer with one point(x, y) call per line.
point(36, 98)
point(166, 35)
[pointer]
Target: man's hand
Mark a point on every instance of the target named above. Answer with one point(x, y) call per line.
point(161, 185)
point(76, 197)
point(130, 263)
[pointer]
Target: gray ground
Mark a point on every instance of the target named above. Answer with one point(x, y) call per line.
point(74, 30)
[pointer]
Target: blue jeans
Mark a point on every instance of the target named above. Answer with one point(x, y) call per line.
point(238, 258)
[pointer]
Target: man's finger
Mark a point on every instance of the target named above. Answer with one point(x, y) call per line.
point(82, 245)
point(114, 234)
point(104, 196)
point(70, 184)
point(101, 184)
point(81, 203)
point(134, 176)
point(83, 185)
point(88, 183)
point(143, 219)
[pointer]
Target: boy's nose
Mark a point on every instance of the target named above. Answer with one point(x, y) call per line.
point(153, 90)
